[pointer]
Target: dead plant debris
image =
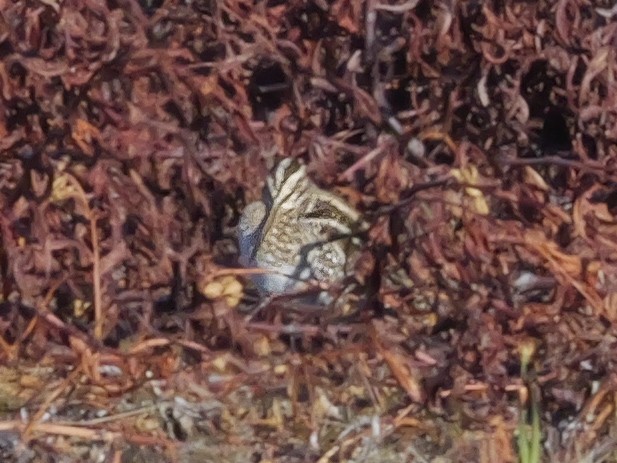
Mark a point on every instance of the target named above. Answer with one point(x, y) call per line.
point(479, 138)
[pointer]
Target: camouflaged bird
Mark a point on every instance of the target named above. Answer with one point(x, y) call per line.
point(298, 232)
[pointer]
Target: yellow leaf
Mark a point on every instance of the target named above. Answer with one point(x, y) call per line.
point(227, 287)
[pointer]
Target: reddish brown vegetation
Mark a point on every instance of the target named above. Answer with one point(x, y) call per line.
point(477, 137)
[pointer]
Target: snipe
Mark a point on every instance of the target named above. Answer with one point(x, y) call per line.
point(298, 232)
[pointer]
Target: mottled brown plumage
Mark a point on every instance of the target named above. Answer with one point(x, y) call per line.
point(298, 232)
